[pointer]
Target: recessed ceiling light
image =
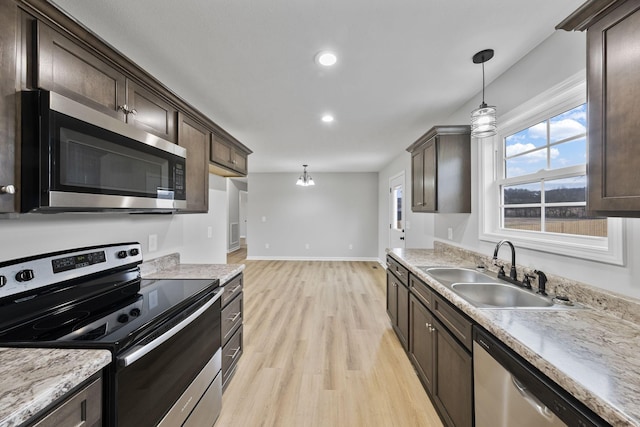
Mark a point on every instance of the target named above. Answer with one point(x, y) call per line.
point(327, 118)
point(326, 58)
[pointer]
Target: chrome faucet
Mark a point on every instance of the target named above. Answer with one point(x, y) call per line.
point(512, 273)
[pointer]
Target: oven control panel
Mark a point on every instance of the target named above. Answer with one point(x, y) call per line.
point(27, 274)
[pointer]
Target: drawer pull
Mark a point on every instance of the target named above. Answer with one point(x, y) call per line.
point(234, 317)
point(235, 353)
point(233, 291)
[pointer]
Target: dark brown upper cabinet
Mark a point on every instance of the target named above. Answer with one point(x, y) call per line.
point(613, 104)
point(441, 170)
point(194, 137)
point(149, 112)
point(228, 158)
point(70, 70)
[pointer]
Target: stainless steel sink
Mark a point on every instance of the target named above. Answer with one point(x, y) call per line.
point(450, 275)
point(500, 295)
point(485, 291)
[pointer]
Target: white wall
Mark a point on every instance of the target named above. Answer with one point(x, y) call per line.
point(340, 210)
point(32, 234)
point(198, 247)
point(556, 59)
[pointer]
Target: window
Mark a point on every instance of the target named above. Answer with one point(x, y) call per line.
point(533, 178)
point(544, 184)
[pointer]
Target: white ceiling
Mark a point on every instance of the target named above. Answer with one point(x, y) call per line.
point(249, 65)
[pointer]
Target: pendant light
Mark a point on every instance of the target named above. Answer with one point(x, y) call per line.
point(483, 119)
point(305, 179)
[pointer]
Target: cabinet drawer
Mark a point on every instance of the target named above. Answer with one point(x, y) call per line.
point(422, 291)
point(231, 353)
point(232, 288)
point(458, 324)
point(398, 270)
point(84, 408)
point(231, 317)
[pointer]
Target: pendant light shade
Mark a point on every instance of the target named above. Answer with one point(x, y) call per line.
point(483, 118)
point(305, 179)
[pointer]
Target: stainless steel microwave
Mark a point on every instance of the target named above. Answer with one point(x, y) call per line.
point(75, 158)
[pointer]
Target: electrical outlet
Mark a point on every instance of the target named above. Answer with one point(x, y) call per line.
point(209, 232)
point(306, 246)
point(264, 219)
point(266, 246)
point(153, 242)
point(450, 233)
point(350, 246)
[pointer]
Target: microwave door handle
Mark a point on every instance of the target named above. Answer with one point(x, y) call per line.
point(139, 351)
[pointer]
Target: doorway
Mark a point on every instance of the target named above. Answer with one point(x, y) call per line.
point(396, 211)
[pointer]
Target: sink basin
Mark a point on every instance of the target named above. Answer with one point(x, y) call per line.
point(458, 275)
point(484, 291)
point(499, 295)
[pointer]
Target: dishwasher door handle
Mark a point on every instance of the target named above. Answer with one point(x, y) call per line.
point(532, 400)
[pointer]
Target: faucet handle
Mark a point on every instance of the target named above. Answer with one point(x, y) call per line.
point(501, 272)
point(526, 282)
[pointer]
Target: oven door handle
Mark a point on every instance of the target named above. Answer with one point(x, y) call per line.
point(139, 351)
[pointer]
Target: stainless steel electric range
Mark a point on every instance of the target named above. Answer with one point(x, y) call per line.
point(164, 335)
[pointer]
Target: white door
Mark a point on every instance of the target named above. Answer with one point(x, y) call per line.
point(396, 211)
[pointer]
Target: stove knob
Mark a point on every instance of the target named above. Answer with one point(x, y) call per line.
point(3, 281)
point(24, 275)
point(123, 318)
point(135, 312)
point(134, 252)
point(121, 254)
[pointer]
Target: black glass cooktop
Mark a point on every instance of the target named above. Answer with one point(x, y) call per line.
point(123, 312)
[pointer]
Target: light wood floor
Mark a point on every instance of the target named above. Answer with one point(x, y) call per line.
point(319, 351)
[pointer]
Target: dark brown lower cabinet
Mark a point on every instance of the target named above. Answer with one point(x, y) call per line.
point(422, 342)
point(444, 366)
point(398, 307)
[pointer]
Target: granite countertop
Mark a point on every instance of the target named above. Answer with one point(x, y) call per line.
point(589, 352)
point(223, 272)
point(33, 378)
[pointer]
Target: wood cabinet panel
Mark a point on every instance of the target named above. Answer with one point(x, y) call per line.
point(226, 158)
point(231, 318)
point(194, 137)
point(231, 289)
point(430, 173)
point(231, 353)
point(83, 408)
point(70, 70)
point(453, 391)
point(8, 95)
point(417, 180)
point(422, 342)
point(614, 108)
point(441, 170)
point(150, 113)
point(392, 298)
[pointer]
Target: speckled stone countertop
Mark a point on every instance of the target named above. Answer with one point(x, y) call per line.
point(169, 267)
point(33, 378)
point(593, 353)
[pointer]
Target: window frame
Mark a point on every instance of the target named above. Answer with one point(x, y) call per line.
point(556, 100)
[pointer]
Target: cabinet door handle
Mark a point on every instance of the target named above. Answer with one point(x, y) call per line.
point(133, 111)
point(8, 189)
point(235, 353)
point(234, 317)
point(233, 291)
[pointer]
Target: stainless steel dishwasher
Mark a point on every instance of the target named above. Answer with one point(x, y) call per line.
point(509, 392)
